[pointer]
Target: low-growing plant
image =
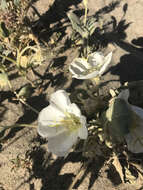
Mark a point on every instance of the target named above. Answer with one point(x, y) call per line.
point(115, 129)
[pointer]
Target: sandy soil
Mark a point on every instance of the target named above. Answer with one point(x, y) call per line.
point(25, 163)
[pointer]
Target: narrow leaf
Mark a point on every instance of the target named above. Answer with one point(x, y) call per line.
point(129, 177)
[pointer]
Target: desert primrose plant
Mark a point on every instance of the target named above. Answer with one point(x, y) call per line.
point(63, 118)
point(62, 122)
point(91, 64)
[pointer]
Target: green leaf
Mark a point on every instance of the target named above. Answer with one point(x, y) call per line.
point(77, 25)
point(16, 2)
point(91, 25)
point(25, 91)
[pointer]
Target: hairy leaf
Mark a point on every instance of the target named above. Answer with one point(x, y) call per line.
point(77, 25)
point(91, 25)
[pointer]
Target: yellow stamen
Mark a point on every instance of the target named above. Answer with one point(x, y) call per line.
point(92, 69)
point(71, 122)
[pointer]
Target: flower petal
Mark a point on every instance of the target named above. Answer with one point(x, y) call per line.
point(94, 74)
point(74, 109)
point(107, 60)
point(83, 132)
point(138, 110)
point(61, 144)
point(47, 131)
point(61, 99)
point(88, 76)
point(47, 117)
point(81, 64)
point(78, 66)
point(75, 71)
point(50, 114)
point(135, 140)
point(124, 94)
point(96, 58)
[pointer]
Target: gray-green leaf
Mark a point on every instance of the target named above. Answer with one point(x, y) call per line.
point(16, 2)
point(77, 25)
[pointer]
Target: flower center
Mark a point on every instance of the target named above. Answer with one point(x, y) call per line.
point(92, 69)
point(71, 122)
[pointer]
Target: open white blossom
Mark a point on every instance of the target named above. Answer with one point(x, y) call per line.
point(134, 138)
point(62, 123)
point(92, 67)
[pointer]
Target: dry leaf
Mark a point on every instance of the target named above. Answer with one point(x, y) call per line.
point(3, 79)
point(118, 167)
point(24, 61)
point(112, 92)
point(138, 167)
point(129, 177)
point(108, 143)
point(37, 58)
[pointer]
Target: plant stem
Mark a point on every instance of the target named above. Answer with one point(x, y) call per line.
point(7, 58)
point(18, 125)
point(85, 2)
point(30, 107)
point(85, 16)
point(21, 100)
point(26, 48)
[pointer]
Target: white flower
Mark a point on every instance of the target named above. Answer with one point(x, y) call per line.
point(93, 67)
point(62, 123)
point(134, 138)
